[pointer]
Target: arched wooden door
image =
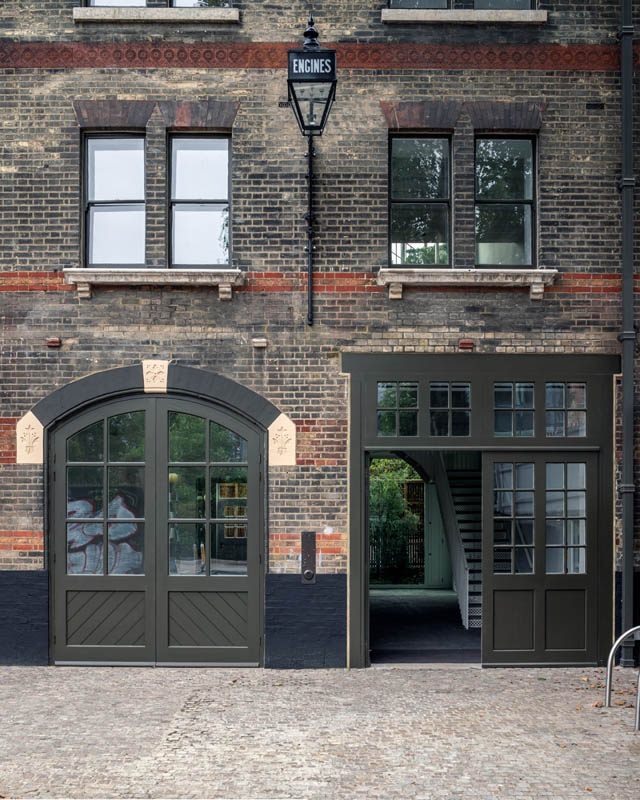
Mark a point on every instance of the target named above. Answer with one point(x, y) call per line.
point(157, 535)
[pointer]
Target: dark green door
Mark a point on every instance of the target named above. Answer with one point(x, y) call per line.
point(157, 535)
point(540, 564)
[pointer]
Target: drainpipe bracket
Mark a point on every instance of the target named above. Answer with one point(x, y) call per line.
point(626, 488)
point(625, 183)
point(628, 336)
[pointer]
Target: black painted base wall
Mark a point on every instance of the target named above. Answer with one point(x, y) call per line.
point(305, 625)
point(636, 608)
point(24, 618)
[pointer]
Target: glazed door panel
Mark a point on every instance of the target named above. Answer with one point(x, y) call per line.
point(540, 565)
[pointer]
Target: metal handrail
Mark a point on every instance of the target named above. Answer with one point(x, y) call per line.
point(612, 654)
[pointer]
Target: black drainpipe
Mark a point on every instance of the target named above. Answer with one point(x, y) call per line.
point(628, 335)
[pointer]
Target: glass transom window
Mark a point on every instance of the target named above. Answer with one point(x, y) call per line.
point(199, 201)
point(397, 408)
point(513, 413)
point(566, 409)
point(419, 201)
point(504, 215)
point(449, 409)
point(115, 206)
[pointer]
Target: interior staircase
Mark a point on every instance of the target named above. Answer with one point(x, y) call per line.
point(466, 494)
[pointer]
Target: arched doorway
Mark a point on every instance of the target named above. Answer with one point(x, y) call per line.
point(156, 533)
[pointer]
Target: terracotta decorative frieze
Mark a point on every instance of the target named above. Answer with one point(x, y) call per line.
point(273, 55)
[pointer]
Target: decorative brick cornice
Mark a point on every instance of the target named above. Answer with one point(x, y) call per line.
point(273, 55)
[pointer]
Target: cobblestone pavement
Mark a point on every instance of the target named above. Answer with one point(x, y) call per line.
point(430, 732)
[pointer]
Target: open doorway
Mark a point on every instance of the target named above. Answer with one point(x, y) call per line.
point(425, 557)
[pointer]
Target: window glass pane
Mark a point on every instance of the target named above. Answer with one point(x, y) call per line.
point(576, 476)
point(225, 445)
point(503, 475)
point(228, 549)
point(84, 549)
point(555, 561)
point(555, 531)
point(186, 492)
point(126, 548)
point(503, 423)
point(516, 5)
point(524, 423)
point(554, 504)
point(115, 169)
point(408, 423)
point(387, 395)
point(503, 504)
point(408, 395)
point(503, 395)
point(126, 492)
point(186, 437)
point(87, 444)
point(386, 423)
point(200, 3)
point(576, 395)
point(504, 169)
point(126, 437)
point(576, 560)
point(439, 395)
point(460, 395)
point(502, 561)
point(419, 234)
point(187, 549)
point(555, 476)
point(116, 235)
point(439, 423)
point(555, 423)
point(117, 3)
point(524, 531)
point(460, 423)
point(576, 423)
point(576, 504)
point(311, 100)
point(85, 493)
point(419, 169)
point(576, 531)
point(524, 395)
point(524, 504)
point(199, 168)
point(200, 234)
point(524, 476)
point(554, 395)
point(228, 492)
point(503, 234)
point(523, 560)
point(502, 531)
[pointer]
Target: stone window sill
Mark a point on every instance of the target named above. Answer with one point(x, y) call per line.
point(450, 17)
point(84, 279)
point(196, 16)
point(397, 278)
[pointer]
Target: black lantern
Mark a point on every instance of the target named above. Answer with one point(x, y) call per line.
point(312, 82)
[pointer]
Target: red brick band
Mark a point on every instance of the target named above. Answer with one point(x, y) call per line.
point(8, 440)
point(23, 541)
point(268, 55)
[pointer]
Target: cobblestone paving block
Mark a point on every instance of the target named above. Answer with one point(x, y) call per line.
point(412, 732)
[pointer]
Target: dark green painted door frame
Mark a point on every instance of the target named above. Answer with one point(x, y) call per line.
point(124, 619)
point(482, 370)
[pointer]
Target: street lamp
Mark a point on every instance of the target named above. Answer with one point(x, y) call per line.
point(312, 88)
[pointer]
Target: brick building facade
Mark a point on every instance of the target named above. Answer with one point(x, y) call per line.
point(237, 339)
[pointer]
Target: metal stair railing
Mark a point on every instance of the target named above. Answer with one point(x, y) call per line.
point(612, 654)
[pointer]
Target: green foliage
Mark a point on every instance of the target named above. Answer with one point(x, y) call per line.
point(391, 523)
